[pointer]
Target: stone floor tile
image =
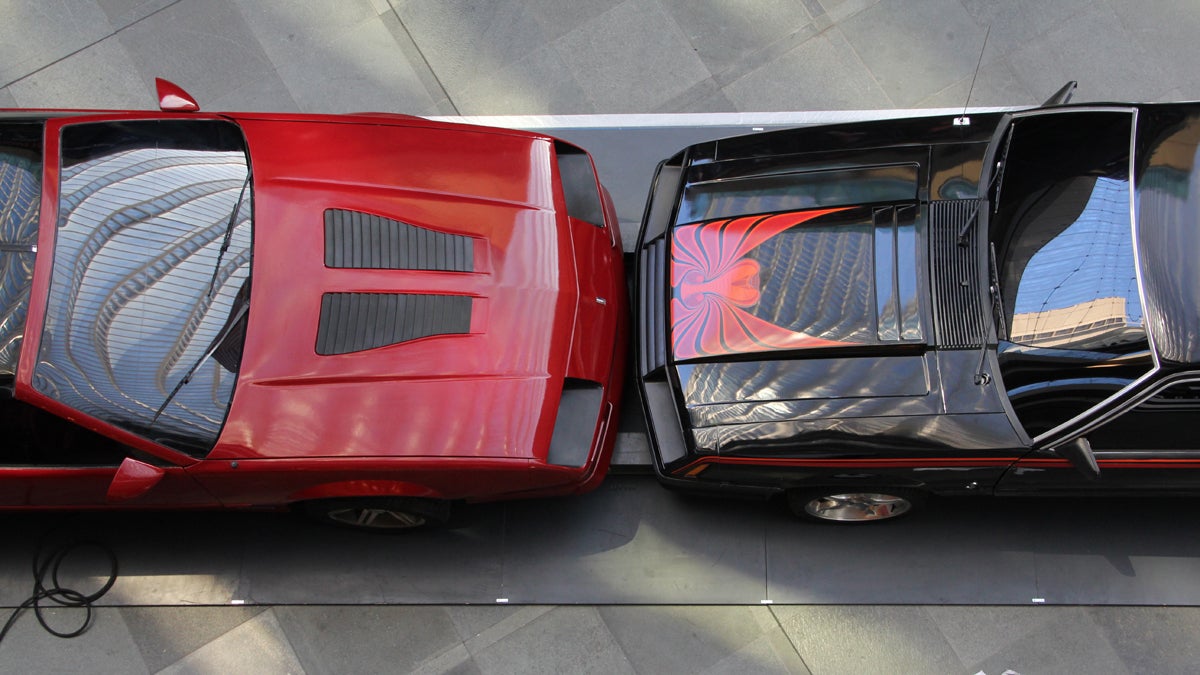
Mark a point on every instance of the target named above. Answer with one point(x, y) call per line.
point(464, 41)
point(501, 621)
point(823, 73)
point(1120, 71)
point(975, 633)
point(1015, 22)
point(6, 98)
point(704, 97)
point(36, 33)
point(766, 654)
point(915, 48)
point(724, 32)
point(291, 31)
point(266, 93)
point(681, 639)
point(996, 85)
point(1069, 642)
point(122, 13)
point(634, 42)
point(99, 76)
point(558, 18)
point(539, 83)
point(106, 647)
point(204, 46)
point(257, 646)
point(1159, 640)
point(165, 635)
point(410, 52)
point(1166, 31)
point(565, 640)
point(373, 639)
point(866, 639)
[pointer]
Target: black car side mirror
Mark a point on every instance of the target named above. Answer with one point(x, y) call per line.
point(1079, 453)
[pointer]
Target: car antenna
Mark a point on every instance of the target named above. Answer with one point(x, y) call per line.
point(963, 120)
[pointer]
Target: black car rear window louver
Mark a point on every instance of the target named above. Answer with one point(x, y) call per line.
point(958, 308)
point(653, 274)
point(354, 322)
point(358, 240)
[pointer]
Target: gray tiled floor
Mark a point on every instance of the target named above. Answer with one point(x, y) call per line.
point(629, 639)
point(464, 57)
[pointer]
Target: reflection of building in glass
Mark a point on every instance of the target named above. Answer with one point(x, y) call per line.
point(1093, 323)
point(130, 308)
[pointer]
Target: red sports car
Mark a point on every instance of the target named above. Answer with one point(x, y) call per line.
point(370, 316)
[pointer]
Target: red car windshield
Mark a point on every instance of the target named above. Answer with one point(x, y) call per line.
point(146, 312)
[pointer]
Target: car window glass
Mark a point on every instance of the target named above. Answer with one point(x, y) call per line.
point(1063, 238)
point(20, 199)
point(137, 298)
point(795, 191)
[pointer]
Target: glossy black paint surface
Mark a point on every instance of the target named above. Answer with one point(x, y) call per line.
point(970, 406)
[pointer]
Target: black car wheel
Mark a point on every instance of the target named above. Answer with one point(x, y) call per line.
point(384, 514)
point(841, 505)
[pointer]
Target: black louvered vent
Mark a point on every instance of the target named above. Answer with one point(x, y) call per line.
point(958, 306)
point(365, 241)
point(353, 322)
point(653, 274)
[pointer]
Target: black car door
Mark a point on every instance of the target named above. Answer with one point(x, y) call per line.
point(1152, 446)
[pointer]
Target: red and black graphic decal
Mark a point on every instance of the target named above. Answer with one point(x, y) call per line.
point(716, 288)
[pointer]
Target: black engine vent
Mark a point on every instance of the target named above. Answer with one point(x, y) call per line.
point(652, 317)
point(958, 297)
point(353, 322)
point(365, 241)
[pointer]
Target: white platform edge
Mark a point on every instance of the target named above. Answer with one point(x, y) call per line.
point(749, 119)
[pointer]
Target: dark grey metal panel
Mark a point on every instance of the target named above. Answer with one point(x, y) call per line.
point(353, 322)
point(631, 541)
point(575, 425)
point(957, 310)
point(354, 239)
point(652, 353)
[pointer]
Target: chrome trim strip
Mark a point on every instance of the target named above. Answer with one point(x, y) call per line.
point(1135, 227)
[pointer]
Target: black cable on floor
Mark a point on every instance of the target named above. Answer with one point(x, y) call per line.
point(56, 593)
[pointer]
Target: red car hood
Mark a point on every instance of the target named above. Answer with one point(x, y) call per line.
point(489, 389)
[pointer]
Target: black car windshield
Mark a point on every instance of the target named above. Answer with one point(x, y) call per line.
point(1063, 236)
point(134, 304)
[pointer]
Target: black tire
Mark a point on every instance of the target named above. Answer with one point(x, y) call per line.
point(851, 506)
point(377, 514)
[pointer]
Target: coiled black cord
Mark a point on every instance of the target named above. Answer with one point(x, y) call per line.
point(56, 593)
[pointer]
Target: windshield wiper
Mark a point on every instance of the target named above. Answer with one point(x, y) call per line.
point(997, 175)
point(997, 307)
point(216, 344)
point(237, 207)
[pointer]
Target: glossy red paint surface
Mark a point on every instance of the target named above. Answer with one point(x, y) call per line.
point(450, 416)
point(133, 479)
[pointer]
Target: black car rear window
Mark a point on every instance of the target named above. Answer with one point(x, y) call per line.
point(795, 191)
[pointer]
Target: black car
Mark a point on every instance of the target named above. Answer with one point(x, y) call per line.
point(859, 315)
